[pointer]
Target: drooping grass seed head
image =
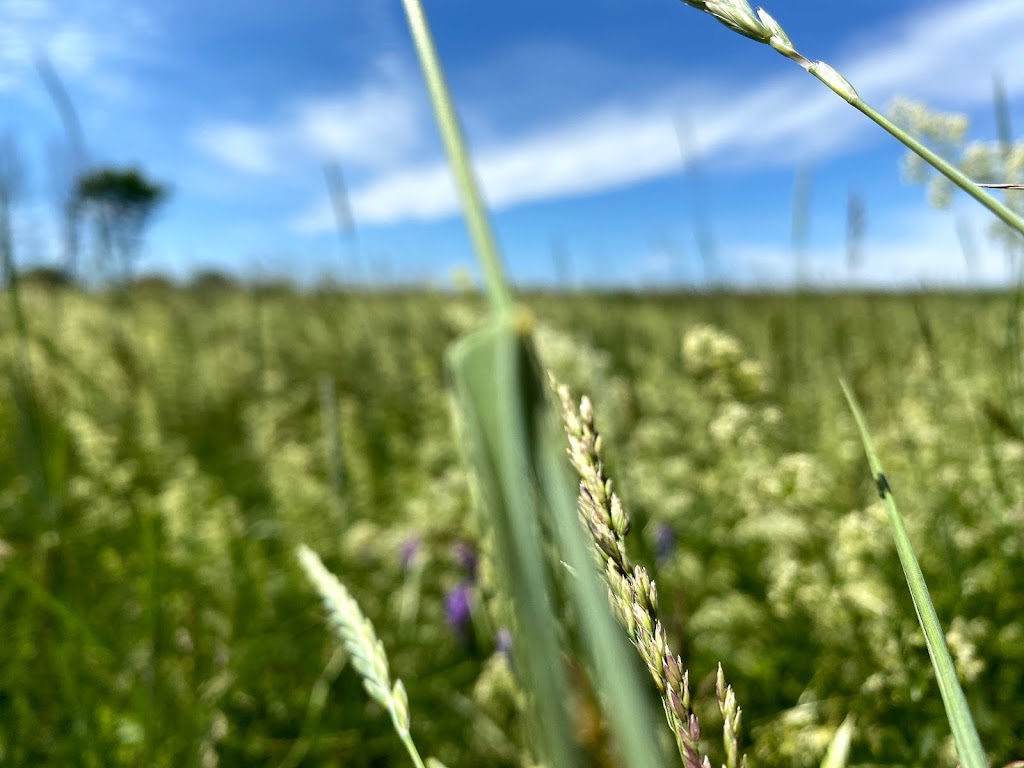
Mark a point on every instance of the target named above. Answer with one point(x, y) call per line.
point(735, 14)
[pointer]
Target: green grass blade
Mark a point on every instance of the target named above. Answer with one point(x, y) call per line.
point(965, 734)
point(520, 458)
point(485, 368)
point(502, 402)
point(484, 242)
point(838, 752)
point(1006, 214)
point(623, 685)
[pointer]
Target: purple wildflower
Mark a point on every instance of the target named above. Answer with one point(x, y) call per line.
point(458, 607)
point(664, 541)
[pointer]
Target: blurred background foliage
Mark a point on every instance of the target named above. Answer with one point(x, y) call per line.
point(166, 447)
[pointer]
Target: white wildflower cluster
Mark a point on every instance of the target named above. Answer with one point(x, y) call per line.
point(985, 162)
point(801, 480)
point(712, 355)
point(798, 737)
point(500, 703)
point(707, 350)
point(97, 448)
point(940, 128)
point(199, 526)
point(733, 424)
point(962, 638)
point(461, 317)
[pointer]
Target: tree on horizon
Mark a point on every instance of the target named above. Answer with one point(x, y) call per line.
point(121, 203)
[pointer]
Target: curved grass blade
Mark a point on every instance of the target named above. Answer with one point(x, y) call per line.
point(519, 456)
point(965, 734)
point(512, 441)
point(484, 242)
point(490, 393)
point(839, 749)
point(740, 17)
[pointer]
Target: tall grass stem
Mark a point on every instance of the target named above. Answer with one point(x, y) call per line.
point(965, 734)
point(477, 220)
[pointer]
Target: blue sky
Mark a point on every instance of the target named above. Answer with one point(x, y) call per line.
point(573, 111)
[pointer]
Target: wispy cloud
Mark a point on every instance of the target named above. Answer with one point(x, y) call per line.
point(239, 146)
point(948, 53)
point(87, 45)
point(737, 126)
point(376, 125)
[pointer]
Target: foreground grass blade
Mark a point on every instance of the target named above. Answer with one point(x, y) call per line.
point(484, 242)
point(740, 17)
point(515, 447)
point(965, 734)
point(519, 456)
point(839, 749)
point(495, 406)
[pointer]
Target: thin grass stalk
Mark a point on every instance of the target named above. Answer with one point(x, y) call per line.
point(838, 752)
point(800, 227)
point(484, 242)
point(150, 693)
point(740, 17)
point(314, 709)
point(965, 733)
point(31, 433)
point(75, 625)
point(501, 401)
point(344, 221)
point(76, 145)
point(332, 435)
point(707, 248)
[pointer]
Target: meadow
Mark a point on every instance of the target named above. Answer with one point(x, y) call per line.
point(166, 450)
point(242, 525)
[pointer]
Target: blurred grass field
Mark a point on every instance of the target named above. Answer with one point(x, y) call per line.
point(166, 449)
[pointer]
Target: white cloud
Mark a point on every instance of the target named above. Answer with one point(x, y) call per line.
point(605, 149)
point(949, 53)
point(90, 45)
point(569, 159)
point(374, 126)
point(776, 123)
point(238, 146)
point(73, 50)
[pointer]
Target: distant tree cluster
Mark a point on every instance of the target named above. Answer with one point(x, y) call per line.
point(117, 202)
point(120, 203)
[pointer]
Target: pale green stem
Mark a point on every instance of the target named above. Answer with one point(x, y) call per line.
point(410, 746)
point(943, 166)
point(950, 171)
point(965, 734)
point(472, 202)
point(739, 16)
